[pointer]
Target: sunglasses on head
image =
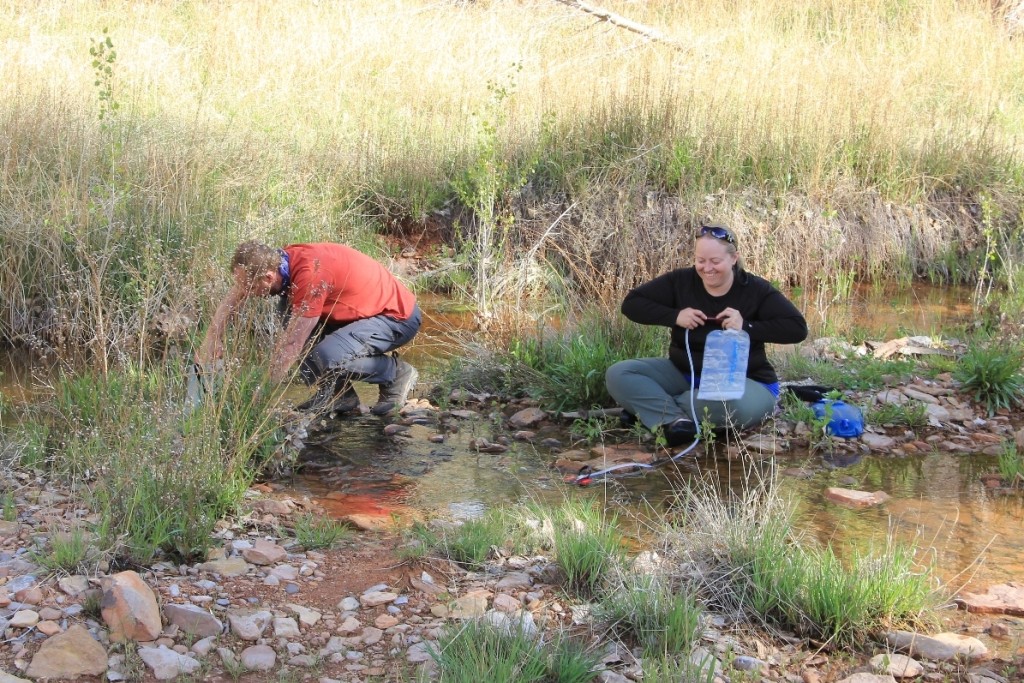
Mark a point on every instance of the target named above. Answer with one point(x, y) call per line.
point(717, 232)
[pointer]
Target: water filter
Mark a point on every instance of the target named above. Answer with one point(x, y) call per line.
point(723, 376)
point(844, 420)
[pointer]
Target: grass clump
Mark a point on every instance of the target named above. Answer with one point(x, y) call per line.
point(1011, 465)
point(481, 651)
point(9, 505)
point(69, 552)
point(761, 566)
point(911, 414)
point(471, 542)
point(674, 670)
point(313, 532)
point(850, 373)
point(648, 611)
point(992, 374)
point(587, 543)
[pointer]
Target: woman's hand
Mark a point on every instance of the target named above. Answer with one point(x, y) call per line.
point(730, 319)
point(691, 318)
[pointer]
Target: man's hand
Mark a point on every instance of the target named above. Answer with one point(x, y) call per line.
point(289, 347)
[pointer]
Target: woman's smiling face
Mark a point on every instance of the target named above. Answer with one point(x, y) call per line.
point(714, 264)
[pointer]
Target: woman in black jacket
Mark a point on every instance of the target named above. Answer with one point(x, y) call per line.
point(715, 293)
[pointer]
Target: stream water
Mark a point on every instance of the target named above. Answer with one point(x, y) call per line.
point(971, 535)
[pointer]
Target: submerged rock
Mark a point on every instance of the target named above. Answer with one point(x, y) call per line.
point(855, 499)
point(1004, 598)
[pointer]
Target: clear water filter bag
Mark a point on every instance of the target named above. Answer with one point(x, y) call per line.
point(724, 374)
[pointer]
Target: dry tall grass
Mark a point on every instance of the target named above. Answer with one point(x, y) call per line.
point(834, 135)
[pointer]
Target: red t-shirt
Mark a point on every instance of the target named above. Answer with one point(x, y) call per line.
point(337, 283)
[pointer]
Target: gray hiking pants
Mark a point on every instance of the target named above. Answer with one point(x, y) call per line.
point(360, 349)
point(656, 392)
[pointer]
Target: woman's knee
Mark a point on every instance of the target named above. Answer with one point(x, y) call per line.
point(616, 376)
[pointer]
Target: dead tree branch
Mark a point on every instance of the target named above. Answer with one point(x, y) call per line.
point(624, 23)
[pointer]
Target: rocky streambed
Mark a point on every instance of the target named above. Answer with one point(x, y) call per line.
point(259, 607)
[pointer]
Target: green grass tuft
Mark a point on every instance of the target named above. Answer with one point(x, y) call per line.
point(992, 374)
point(588, 545)
point(648, 611)
point(476, 651)
point(1011, 464)
point(313, 532)
point(69, 552)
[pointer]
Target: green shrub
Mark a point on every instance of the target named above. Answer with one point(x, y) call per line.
point(991, 373)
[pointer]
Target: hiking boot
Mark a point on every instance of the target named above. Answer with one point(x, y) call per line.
point(394, 393)
point(679, 432)
point(335, 397)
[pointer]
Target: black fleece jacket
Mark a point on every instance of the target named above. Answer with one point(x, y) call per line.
point(768, 316)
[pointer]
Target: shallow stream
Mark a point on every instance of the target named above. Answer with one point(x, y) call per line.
point(971, 535)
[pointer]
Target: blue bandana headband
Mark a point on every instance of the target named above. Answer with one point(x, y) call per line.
point(284, 270)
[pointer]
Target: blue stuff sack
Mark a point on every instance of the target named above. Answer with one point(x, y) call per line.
point(846, 421)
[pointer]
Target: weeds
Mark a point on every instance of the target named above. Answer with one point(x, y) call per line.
point(567, 370)
point(851, 372)
point(992, 374)
point(92, 607)
point(671, 670)
point(10, 506)
point(313, 532)
point(911, 414)
point(570, 661)
point(158, 479)
point(476, 651)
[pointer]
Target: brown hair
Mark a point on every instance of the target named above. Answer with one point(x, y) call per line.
point(255, 258)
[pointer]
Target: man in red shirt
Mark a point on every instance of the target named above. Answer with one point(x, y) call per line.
point(348, 308)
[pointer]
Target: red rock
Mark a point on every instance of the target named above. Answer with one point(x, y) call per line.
point(129, 608)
